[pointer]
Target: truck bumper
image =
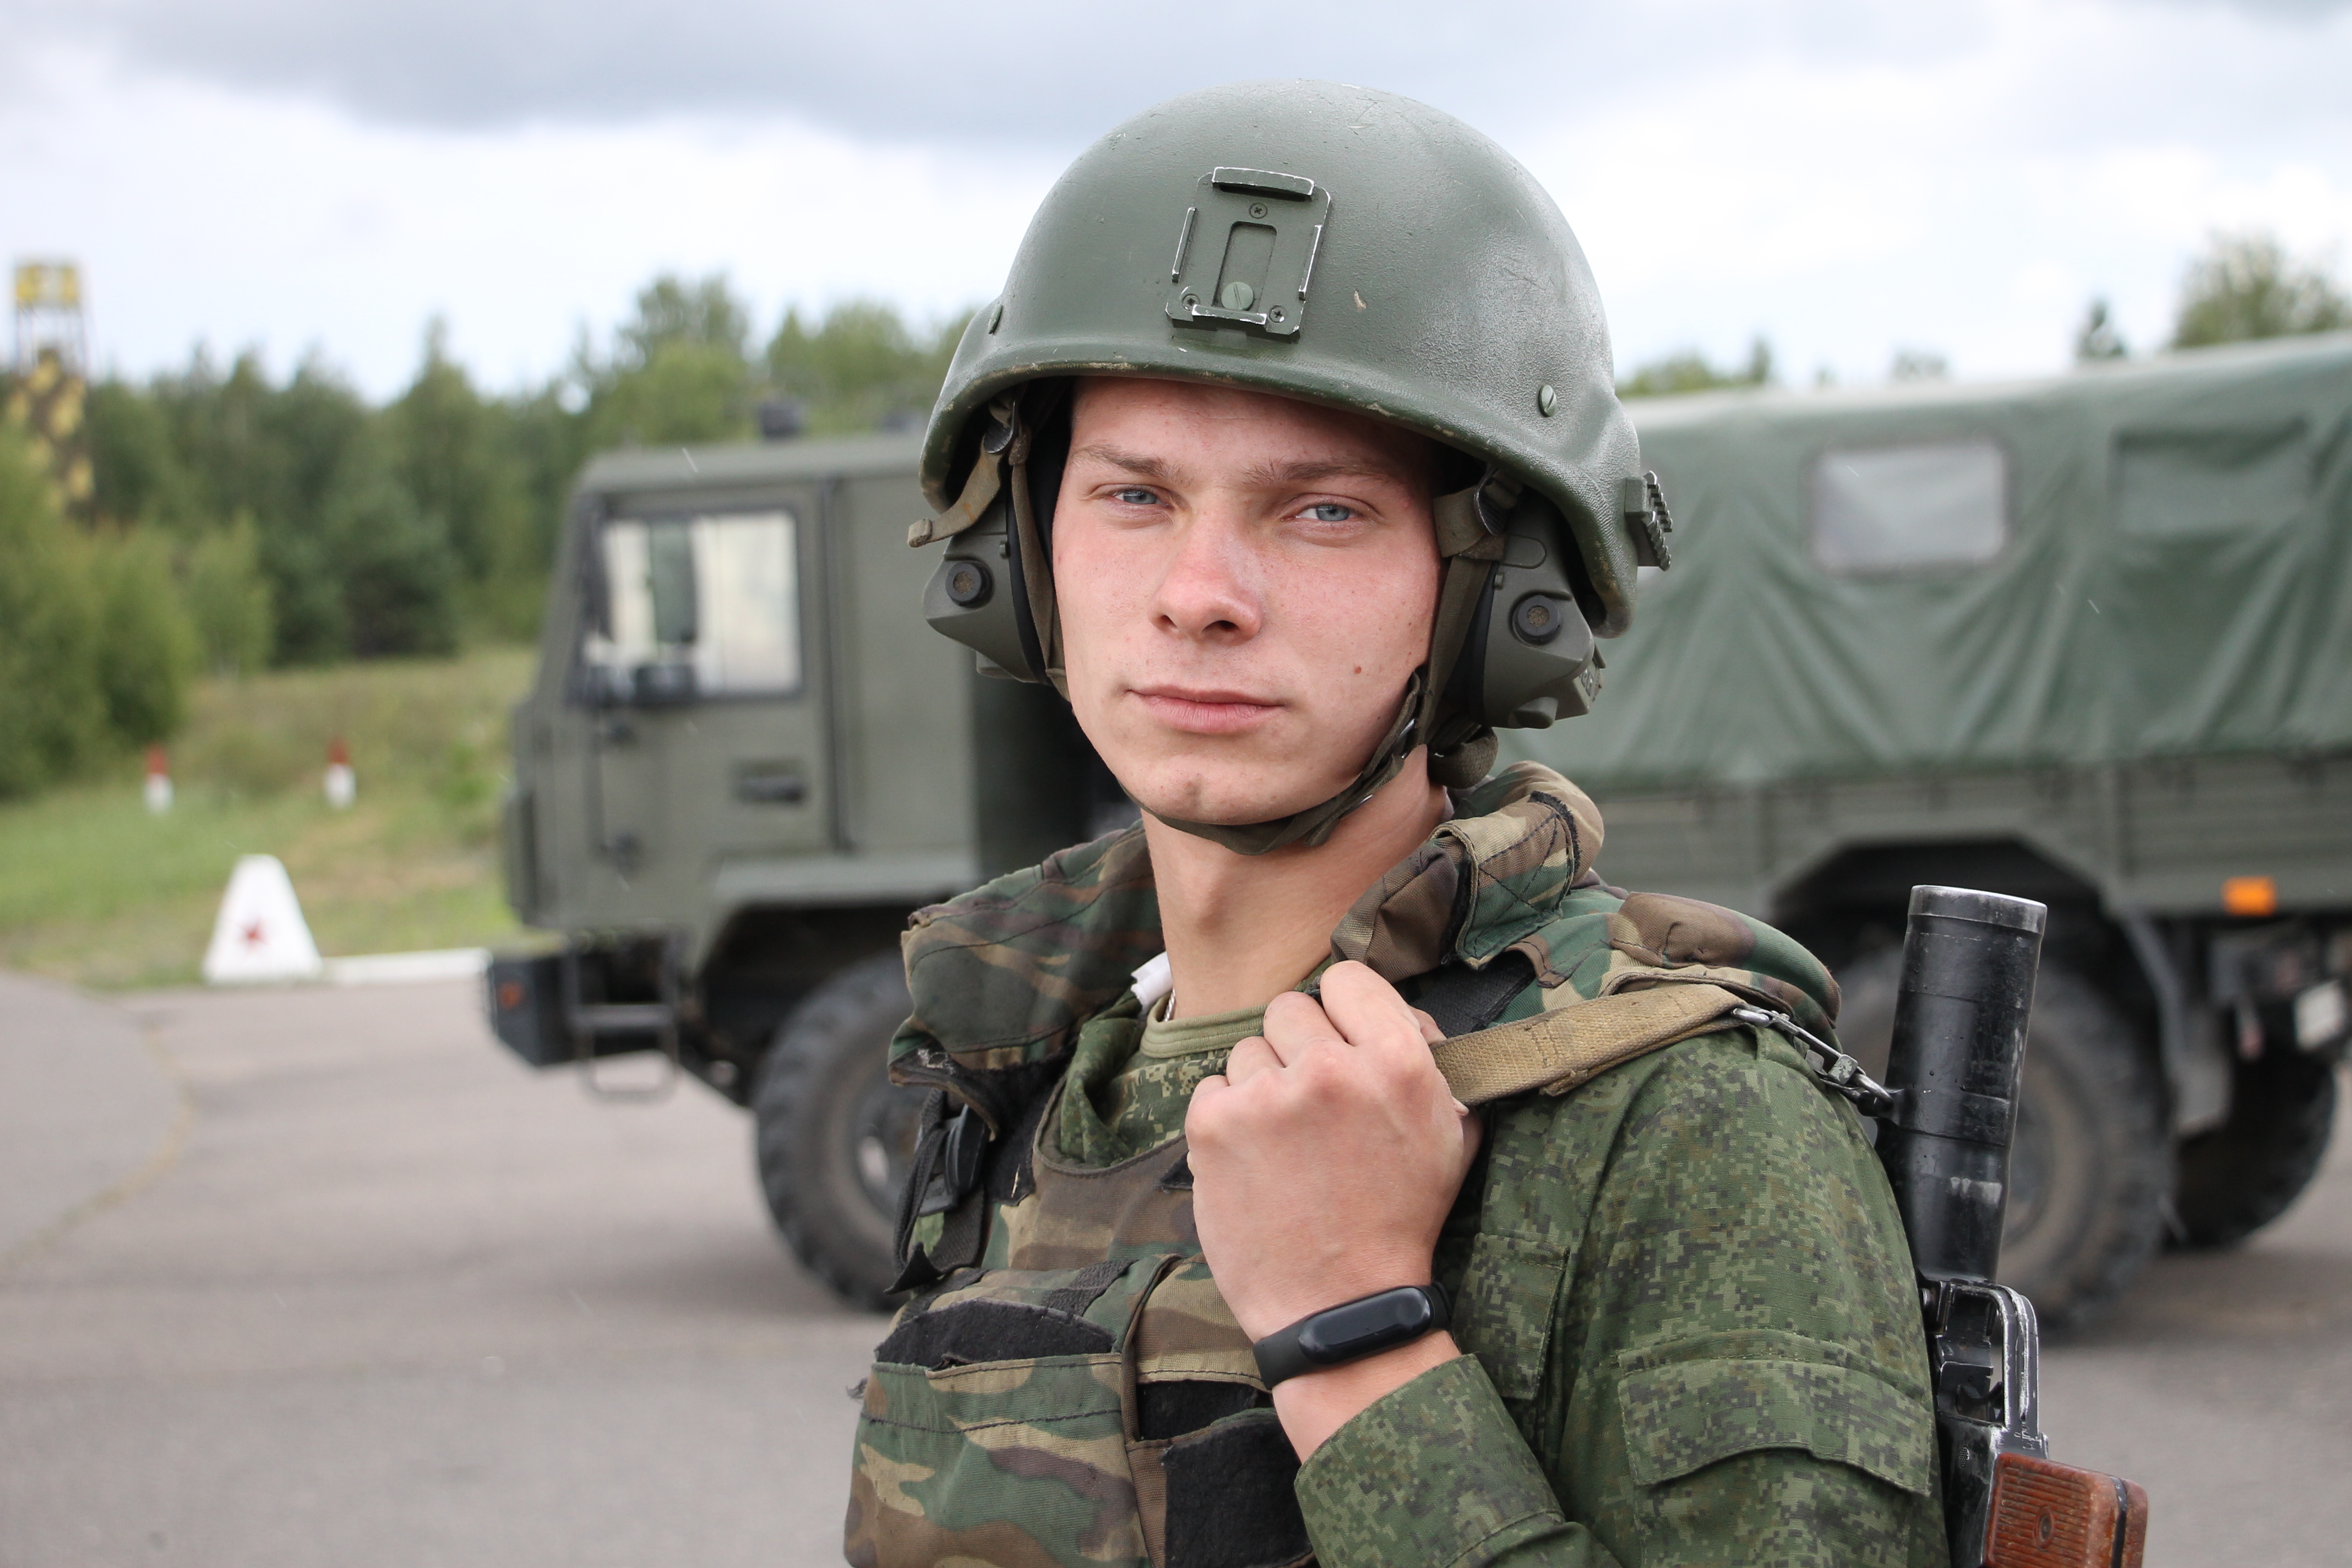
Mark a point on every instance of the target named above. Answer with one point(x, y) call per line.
point(525, 998)
point(555, 1008)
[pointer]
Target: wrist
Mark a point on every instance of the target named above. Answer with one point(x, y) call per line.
point(1329, 1289)
point(1353, 1331)
point(1314, 1406)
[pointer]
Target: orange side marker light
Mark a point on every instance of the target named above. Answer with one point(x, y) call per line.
point(2250, 895)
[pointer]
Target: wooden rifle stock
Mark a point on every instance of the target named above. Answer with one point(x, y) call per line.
point(2048, 1515)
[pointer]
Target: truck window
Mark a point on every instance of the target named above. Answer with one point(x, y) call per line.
point(1898, 509)
point(2172, 482)
point(698, 606)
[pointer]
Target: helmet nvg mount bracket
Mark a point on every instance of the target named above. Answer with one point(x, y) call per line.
point(1351, 248)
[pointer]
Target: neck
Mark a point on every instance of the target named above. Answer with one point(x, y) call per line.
point(1242, 929)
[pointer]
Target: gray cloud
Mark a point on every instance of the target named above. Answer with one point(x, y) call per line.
point(1048, 75)
point(921, 71)
point(1044, 71)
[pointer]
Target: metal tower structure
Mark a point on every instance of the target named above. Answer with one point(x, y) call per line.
point(48, 380)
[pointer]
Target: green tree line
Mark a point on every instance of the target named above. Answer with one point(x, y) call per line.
point(2242, 287)
point(245, 521)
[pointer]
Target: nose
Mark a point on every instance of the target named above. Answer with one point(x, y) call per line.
point(1209, 587)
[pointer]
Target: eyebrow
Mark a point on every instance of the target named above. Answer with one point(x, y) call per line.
point(1140, 465)
point(1265, 476)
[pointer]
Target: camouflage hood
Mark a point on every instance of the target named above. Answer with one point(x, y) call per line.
point(1003, 977)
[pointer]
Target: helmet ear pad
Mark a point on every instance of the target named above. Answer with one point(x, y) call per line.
point(1527, 662)
point(977, 597)
point(1528, 659)
point(979, 594)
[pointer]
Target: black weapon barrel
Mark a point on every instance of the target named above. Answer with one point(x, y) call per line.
point(1969, 964)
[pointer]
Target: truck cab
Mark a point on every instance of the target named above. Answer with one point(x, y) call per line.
point(744, 761)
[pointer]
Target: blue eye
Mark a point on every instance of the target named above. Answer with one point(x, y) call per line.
point(1329, 511)
point(1134, 497)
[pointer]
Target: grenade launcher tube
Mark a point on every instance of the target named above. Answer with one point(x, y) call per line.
point(1960, 1011)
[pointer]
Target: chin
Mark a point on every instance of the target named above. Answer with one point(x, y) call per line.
point(1188, 795)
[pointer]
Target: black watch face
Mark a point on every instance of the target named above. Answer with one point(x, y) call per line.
point(1361, 1328)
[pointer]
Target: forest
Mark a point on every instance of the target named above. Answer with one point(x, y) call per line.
point(245, 521)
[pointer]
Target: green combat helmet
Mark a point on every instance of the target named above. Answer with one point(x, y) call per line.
point(1352, 249)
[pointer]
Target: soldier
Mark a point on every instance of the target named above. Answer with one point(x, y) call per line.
point(1331, 1165)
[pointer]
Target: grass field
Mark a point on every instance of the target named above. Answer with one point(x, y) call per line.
point(95, 890)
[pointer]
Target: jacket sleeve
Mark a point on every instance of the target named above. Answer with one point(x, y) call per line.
point(1733, 1373)
point(1436, 1473)
point(1740, 1374)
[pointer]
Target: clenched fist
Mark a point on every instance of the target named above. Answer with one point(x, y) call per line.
point(1324, 1164)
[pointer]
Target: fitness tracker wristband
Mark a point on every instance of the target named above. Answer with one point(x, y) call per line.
point(1352, 1330)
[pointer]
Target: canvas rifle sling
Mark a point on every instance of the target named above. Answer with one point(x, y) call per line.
point(1559, 1049)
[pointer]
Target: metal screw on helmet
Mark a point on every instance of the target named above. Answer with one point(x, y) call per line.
point(969, 585)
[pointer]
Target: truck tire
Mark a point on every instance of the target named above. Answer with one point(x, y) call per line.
point(2090, 1163)
point(2250, 1170)
point(833, 1136)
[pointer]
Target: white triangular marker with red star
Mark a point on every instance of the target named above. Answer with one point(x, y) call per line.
point(261, 934)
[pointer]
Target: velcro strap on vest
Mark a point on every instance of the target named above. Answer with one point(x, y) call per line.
point(1568, 1047)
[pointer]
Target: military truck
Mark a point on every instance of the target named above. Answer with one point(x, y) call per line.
point(2086, 640)
point(743, 761)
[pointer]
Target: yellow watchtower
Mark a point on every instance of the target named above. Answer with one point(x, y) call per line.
point(49, 375)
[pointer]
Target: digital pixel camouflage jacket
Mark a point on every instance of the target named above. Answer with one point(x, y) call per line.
point(1681, 1289)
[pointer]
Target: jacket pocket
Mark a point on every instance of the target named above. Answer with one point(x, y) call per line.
point(1687, 1405)
point(994, 1426)
point(1510, 1291)
point(1213, 1471)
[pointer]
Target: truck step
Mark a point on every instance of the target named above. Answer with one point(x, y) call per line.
point(620, 1018)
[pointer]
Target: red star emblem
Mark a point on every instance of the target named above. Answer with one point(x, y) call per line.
point(250, 935)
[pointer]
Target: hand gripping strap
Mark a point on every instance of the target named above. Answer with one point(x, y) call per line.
point(1561, 1049)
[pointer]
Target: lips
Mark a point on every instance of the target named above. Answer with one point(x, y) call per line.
point(1204, 711)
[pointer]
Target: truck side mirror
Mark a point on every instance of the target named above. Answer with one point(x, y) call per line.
point(663, 683)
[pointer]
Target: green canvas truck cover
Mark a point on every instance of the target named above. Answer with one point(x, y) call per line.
point(2126, 562)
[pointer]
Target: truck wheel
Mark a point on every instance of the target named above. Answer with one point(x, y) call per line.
point(2090, 1163)
point(833, 1136)
point(2250, 1170)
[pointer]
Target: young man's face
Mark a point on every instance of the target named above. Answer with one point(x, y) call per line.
point(1245, 584)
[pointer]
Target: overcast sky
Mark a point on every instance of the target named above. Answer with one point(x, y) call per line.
point(1847, 177)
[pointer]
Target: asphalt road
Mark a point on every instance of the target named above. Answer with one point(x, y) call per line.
point(317, 1277)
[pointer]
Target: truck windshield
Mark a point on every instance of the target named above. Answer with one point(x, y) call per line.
point(698, 606)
